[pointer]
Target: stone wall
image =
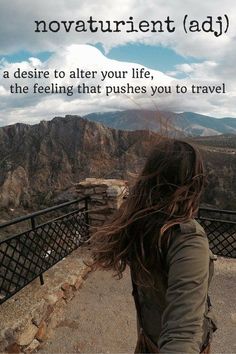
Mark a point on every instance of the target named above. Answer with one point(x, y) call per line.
point(29, 316)
point(106, 196)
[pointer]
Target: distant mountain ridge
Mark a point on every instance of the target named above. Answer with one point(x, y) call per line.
point(181, 124)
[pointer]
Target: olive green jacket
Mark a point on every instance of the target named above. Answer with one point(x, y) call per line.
point(177, 315)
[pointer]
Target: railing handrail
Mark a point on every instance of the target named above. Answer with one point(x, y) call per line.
point(55, 207)
point(223, 211)
point(217, 220)
point(7, 238)
point(41, 212)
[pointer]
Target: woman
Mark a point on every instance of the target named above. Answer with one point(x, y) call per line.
point(155, 233)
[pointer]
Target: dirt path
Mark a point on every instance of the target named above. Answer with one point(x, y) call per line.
point(101, 318)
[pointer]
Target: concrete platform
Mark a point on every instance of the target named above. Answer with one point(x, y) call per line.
point(101, 317)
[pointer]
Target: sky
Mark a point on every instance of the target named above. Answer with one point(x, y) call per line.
point(198, 58)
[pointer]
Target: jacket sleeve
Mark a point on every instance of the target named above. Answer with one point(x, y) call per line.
point(182, 319)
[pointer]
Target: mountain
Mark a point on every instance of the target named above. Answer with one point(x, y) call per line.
point(40, 163)
point(179, 124)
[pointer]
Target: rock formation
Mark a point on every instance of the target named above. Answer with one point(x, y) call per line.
point(40, 164)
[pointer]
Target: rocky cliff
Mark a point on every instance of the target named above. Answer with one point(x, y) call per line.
point(39, 164)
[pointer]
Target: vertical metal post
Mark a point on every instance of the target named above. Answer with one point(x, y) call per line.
point(41, 279)
point(87, 199)
point(33, 225)
point(32, 219)
point(198, 213)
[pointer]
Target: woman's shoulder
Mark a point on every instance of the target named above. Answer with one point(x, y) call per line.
point(189, 242)
point(188, 235)
point(191, 226)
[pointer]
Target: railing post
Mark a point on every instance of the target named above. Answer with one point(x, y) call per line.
point(41, 279)
point(199, 213)
point(33, 225)
point(32, 219)
point(87, 199)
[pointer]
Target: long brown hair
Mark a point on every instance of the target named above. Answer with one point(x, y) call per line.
point(166, 193)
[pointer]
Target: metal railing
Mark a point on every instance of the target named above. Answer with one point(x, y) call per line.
point(27, 255)
point(220, 227)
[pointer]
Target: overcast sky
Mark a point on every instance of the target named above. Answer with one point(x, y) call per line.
point(173, 58)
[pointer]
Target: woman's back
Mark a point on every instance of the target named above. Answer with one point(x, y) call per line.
point(156, 235)
point(180, 295)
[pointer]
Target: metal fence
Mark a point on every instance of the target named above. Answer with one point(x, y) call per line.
point(29, 254)
point(220, 227)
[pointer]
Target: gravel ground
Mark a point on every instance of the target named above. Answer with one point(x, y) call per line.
point(101, 318)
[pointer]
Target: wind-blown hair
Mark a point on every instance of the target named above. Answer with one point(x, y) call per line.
point(166, 193)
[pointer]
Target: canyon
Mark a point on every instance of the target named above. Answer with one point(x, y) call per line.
point(40, 164)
